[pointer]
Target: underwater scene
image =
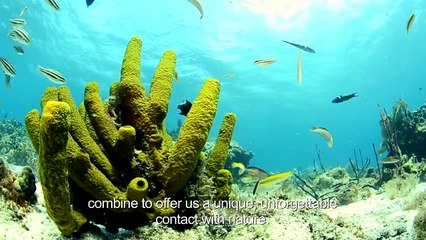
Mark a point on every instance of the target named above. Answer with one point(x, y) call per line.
point(201, 119)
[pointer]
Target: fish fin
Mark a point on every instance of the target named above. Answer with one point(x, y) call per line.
point(255, 187)
point(7, 81)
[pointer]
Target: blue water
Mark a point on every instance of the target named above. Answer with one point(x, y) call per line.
point(361, 46)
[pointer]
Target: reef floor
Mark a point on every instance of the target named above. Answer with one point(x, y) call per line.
point(377, 217)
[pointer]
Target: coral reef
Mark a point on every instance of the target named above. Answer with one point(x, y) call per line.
point(19, 188)
point(420, 223)
point(409, 129)
point(119, 150)
point(15, 146)
point(400, 186)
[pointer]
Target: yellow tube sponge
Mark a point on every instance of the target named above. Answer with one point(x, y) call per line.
point(131, 89)
point(135, 109)
point(100, 120)
point(219, 154)
point(125, 146)
point(32, 122)
point(161, 87)
point(89, 178)
point(223, 184)
point(81, 135)
point(193, 135)
point(131, 71)
point(53, 166)
point(86, 120)
point(119, 150)
point(50, 94)
point(137, 189)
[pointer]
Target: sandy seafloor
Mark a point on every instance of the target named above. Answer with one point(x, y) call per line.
point(377, 217)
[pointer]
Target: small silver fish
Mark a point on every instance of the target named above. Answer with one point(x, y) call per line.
point(198, 5)
point(19, 50)
point(410, 22)
point(24, 9)
point(264, 62)
point(230, 75)
point(390, 160)
point(20, 35)
point(52, 4)
point(18, 22)
point(324, 133)
point(7, 67)
point(52, 75)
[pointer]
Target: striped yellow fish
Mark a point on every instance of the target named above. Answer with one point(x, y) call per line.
point(410, 21)
point(324, 133)
point(17, 22)
point(230, 75)
point(52, 75)
point(272, 182)
point(9, 71)
point(7, 67)
point(52, 4)
point(264, 62)
point(20, 35)
point(299, 68)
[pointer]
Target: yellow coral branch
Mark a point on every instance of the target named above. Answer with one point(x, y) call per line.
point(192, 137)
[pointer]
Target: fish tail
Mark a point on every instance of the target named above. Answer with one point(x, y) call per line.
point(7, 81)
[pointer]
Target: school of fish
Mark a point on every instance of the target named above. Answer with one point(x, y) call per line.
point(20, 35)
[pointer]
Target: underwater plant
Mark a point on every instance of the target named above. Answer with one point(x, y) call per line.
point(119, 150)
point(335, 183)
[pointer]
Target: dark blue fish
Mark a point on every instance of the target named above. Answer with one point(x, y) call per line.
point(342, 98)
point(89, 2)
point(304, 48)
point(184, 107)
point(19, 50)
